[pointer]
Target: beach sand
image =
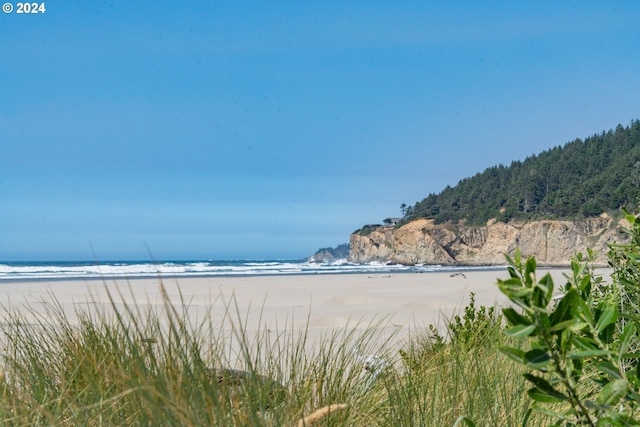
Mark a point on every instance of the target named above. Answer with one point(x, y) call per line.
point(398, 304)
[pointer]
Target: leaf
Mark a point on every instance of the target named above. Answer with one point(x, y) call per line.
point(581, 310)
point(634, 355)
point(607, 317)
point(513, 288)
point(589, 353)
point(584, 343)
point(609, 369)
point(544, 409)
point(566, 341)
point(514, 354)
point(520, 331)
point(567, 324)
point(543, 391)
point(508, 259)
point(613, 392)
point(525, 419)
point(546, 284)
point(540, 395)
point(563, 309)
point(631, 218)
point(634, 395)
point(617, 420)
point(536, 358)
point(529, 270)
point(578, 326)
point(515, 318)
point(627, 335)
point(513, 282)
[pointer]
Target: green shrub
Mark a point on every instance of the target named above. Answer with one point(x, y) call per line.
point(477, 327)
point(580, 350)
point(367, 229)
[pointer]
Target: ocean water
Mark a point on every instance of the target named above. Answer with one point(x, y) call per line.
point(141, 269)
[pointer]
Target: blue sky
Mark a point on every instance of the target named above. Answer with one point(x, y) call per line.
point(237, 129)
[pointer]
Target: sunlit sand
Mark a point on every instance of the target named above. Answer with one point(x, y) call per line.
point(400, 303)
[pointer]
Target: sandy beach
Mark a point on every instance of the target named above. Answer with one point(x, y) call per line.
point(400, 303)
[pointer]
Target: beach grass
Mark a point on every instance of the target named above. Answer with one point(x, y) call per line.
point(124, 365)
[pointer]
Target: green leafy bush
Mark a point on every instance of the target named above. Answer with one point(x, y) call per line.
point(476, 327)
point(367, 229)
point(580, 349)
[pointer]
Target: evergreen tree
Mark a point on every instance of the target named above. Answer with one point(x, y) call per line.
point(583, 178)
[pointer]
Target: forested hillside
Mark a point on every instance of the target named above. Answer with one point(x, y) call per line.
point(580, 179)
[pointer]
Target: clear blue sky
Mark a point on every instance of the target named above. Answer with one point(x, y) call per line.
point(236, 129)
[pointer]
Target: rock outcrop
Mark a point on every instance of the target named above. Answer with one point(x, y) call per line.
point(424, 242)
point(330, 254)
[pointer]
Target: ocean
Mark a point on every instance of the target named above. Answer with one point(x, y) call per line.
point(13, 271)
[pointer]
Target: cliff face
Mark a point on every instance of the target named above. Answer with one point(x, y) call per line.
point(423, 242)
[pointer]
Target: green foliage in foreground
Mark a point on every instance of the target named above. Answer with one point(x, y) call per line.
point(582, 351)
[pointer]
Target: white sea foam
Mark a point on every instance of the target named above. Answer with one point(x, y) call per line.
point(79, 270)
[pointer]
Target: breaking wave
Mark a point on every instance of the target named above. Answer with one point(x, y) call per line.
point(122, 269)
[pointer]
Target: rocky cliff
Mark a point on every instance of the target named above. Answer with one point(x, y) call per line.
point(424, 242)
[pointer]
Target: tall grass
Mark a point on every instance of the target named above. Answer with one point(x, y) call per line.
point(460, 374)
point(125, 365)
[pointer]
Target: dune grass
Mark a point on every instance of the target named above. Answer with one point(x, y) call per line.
point(127, 366)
